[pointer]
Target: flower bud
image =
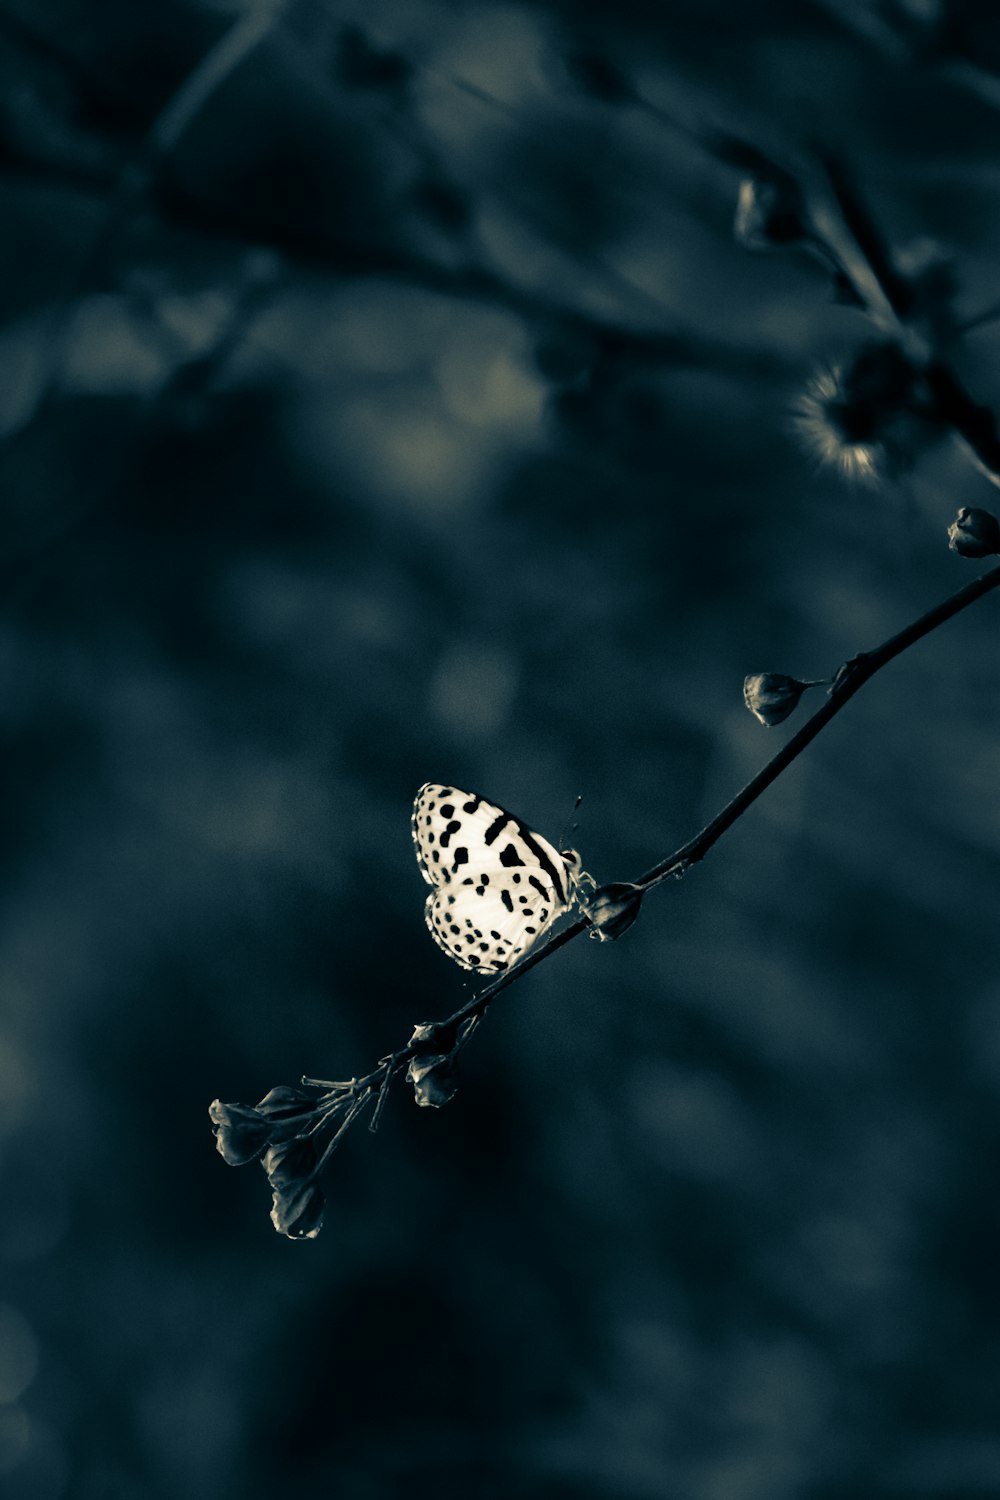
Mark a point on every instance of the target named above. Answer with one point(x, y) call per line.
point(434, 1078)
point(291, 1111)
point(612, 910)
point(289, 1162)
point(287, 1100)
point(769, 212)
point(434, 1070)
point(241, 1133)
point(297, 1211)
point(771, 696)
point(974, 533)
point(434, 1036)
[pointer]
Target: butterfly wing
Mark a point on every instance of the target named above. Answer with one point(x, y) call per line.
point(488, 919)
point(453, 828)
point(498, 885)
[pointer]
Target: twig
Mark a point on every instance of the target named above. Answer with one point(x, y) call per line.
point(852, 676)
point(243, 1133)
point(976, 424)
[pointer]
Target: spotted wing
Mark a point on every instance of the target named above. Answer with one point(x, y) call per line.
point(454, 829)
point(486, 918)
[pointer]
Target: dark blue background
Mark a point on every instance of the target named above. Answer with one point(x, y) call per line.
point(410, 414)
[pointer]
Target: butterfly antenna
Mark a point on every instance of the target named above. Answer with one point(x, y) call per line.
point(571, 826)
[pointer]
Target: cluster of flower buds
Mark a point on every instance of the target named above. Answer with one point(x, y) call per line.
point(771, 696)
point(974, 533)
point(612, 909)
point(286, 1132)
point(293, 1131)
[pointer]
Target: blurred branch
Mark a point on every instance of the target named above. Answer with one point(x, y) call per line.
point(205, 79)
point(975, 423)
point(874, 263)
point(816, 207)
point(863, 253)
point(135, 179)
point(42, 43)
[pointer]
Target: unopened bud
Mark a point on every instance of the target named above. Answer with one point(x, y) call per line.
point(290, 1111)
point(612, 909)
point(769, 212)
point(434, 1079)
point(771, 696)
point(297, 1210)
point(974, 533)
point(289, 1162)
point(288, 1100)
point(434, 1073)
point(241, 1133)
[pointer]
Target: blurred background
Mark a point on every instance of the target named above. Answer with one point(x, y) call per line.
point(383, 399)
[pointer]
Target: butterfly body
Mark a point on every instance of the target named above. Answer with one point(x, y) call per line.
point(498, 886)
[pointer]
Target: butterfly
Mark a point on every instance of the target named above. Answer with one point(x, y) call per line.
point(497, 885)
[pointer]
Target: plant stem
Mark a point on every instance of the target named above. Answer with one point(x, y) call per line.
point(976, 424)
point(851, 677)
point(866, 261)
point(864, 256)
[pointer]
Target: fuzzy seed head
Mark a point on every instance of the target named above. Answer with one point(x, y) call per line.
point(869, 417)
point(819, 420)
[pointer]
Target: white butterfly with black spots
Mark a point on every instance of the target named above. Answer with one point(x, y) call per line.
point(497, 885)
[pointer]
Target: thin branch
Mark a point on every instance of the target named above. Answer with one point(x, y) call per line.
point(866, 260)
point(849, 680)
point(864, 255)
point(976, 424)
point(851, 677)
point(242, 1133)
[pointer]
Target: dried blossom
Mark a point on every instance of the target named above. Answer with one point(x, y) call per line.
point(241, 1133)
point(292, 1131)
point(298, 1204)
